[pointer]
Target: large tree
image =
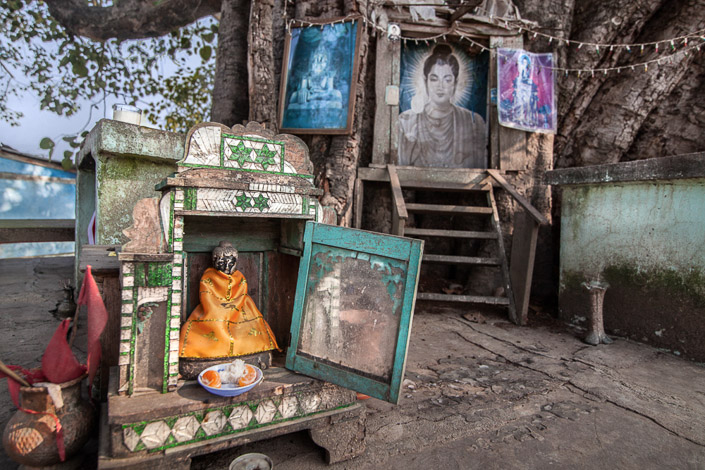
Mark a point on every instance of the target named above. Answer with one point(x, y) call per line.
point(603, 117)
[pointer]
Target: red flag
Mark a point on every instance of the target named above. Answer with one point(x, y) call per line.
point(97, 318)
point(59, 364)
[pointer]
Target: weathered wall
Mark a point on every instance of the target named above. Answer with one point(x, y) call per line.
point(118, 165)
point(646, 240)
point(129, 161)
point(121, 182)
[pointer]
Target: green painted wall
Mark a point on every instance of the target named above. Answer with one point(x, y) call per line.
point(118, 165)
point(121, 182)
point(647, 239)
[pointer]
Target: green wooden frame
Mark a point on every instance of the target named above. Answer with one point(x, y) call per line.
point(398, 248)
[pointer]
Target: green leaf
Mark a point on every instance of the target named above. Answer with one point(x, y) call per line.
point(67, 163)
point(46, 143)
point(80, 69)
point(208, 37)
point(205, 53)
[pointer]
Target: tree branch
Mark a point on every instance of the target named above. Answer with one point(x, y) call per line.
point(129, 19)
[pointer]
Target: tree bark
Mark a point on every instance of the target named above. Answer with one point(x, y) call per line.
point(610, 122)
point(230, 98)
point(262, 85)
point(336, 176)
point(128, 19)
point(676, 127)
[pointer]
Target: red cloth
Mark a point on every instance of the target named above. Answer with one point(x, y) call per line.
point(97, 318)
point(59, 364)
point(31, 376)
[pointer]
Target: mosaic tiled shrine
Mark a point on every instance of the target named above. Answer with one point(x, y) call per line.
point(234, 185)
point(255, 190)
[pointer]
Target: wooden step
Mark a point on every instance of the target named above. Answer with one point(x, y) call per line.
point(448, 209)
point(427, 232)
point(475, 299)
point(484, 187)
point(461, 260)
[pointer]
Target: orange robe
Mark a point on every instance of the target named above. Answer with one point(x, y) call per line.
point(227, 322)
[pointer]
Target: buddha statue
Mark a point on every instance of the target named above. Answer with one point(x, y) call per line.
point(227, 322)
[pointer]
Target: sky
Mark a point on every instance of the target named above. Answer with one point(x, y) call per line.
point(37, 124)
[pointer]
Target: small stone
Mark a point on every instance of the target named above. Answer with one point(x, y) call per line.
point(409, 384)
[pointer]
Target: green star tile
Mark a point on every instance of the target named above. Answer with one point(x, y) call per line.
point(266, 157)
point(241, 154)
point(261, 202)
point(244, 202)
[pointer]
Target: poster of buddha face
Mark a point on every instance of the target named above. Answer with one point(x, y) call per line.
point(319, 77)
point(443, 107)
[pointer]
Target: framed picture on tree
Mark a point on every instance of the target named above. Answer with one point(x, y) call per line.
point(319, 77)
point(443, 107)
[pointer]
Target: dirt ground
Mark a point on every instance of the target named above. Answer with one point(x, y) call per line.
point(479, 393)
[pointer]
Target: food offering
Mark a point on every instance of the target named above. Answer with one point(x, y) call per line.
point(230, 379)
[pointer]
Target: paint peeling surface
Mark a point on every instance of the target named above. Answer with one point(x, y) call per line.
point(646, 240)
point(646, 225)
point(352, 310)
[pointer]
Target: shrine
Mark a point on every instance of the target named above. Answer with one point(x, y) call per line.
point(339, 302)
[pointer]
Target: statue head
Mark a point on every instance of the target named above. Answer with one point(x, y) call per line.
point(225, 257)
point(441, 71)
point(524, 64)
point(319, 60)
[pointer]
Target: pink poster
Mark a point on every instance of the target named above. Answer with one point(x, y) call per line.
point(526, 90)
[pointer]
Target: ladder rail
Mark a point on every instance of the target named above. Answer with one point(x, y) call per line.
point(399, 212)
point(503, 259)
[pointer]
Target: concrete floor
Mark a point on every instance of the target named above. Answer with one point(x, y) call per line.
point(480, 393)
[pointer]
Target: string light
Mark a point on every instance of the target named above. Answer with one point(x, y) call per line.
point(521, 28)
point(645, 64)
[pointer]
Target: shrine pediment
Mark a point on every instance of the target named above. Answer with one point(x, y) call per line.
point(246, 149)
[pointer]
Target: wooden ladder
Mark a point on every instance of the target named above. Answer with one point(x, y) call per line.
point(493, 235)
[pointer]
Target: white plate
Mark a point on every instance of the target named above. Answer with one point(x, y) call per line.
point(229, 390)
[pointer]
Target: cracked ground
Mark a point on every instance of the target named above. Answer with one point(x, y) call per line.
point(479, 392)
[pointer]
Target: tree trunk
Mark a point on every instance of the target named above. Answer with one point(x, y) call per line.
point(262, 86)
point(230, 98)
point(617, 116)
point(336, 158)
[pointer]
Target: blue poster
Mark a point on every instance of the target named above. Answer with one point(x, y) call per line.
point(443, 107)
point(318, 92)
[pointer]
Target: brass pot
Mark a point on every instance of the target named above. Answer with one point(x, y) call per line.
point(30, 439)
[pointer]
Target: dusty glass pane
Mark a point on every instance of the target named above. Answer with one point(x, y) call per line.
point(352, 310)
